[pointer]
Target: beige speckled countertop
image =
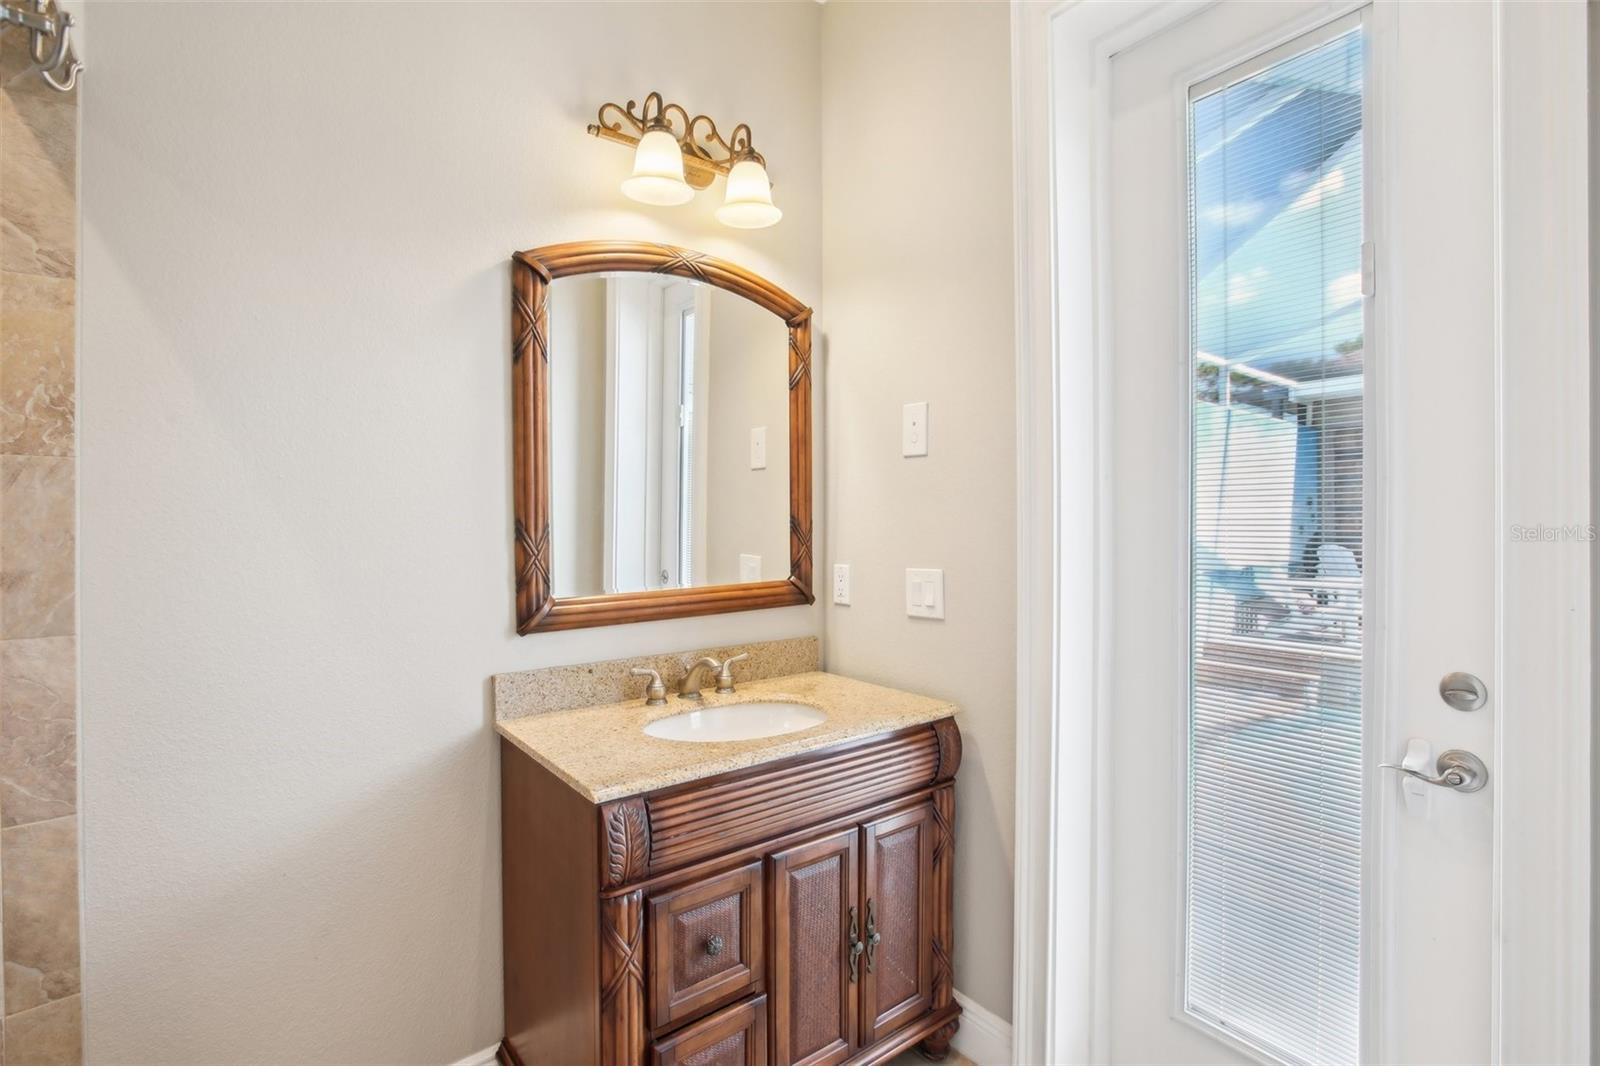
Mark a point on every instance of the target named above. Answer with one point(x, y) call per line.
point(604, 754)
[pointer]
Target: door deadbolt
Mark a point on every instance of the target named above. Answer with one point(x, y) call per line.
point(1463, 691)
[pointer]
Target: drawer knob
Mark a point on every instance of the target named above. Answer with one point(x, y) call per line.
point(714, 944)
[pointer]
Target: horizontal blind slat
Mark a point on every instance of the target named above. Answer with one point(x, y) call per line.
point(1275, 758)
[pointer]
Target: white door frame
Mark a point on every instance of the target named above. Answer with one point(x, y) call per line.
point(1061, 55)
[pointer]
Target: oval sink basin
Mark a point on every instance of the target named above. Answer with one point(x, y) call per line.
point(737, 721)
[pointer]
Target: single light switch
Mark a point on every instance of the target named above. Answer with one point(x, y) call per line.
point(758, 448)
point(925, 593)
point(749, 567)
point(841, 583)
point(914, 429)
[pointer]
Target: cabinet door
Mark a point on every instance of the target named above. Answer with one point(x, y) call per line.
point(705, 944)
point(815, 903)
point(735, 1036)
point(897, 883)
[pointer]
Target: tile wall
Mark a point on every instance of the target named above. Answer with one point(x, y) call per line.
point(40, 1024)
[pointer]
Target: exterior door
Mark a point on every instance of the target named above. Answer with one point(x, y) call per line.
point(1303, 514)
point(816, 920)
point(897, 883)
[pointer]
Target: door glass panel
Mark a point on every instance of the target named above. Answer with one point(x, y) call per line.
point(1275, 715)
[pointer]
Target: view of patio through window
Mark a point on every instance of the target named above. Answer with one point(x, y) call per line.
point(1277, 351)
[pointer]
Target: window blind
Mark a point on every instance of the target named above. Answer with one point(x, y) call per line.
point(1273, 895)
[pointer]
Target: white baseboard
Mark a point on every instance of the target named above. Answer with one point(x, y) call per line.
point(984, 1037)
point(486, 1057)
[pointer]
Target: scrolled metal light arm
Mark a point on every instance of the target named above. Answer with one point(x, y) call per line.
point(49, 40)
point(706, 153)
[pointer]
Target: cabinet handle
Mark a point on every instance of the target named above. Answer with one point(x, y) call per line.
point(855, 947)
point(873, 939)
point(714, 944)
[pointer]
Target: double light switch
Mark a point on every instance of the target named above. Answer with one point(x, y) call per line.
point(925, 593)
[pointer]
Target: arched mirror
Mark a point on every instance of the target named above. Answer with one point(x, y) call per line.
point(661, 404)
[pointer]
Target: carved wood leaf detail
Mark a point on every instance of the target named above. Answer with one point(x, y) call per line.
point(949, 748)
point(627, 842)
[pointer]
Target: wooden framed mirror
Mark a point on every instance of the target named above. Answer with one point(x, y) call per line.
point(643, 388)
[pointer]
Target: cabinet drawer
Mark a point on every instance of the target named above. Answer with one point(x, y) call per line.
point(734, 1036)
point(705, 945)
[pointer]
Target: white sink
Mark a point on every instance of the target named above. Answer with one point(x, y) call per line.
point(737, 721)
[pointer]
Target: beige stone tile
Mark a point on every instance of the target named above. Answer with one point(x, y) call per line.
point(40, 894)
point(38, 729)
point(38, 129)
point(51, 1035)
point(36, 365)
point(36, 546)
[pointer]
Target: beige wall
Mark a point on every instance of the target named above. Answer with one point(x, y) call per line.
point(578, 434)
point(749, 386)
point(40, 1020)
point(917, 273)
point(296, 548)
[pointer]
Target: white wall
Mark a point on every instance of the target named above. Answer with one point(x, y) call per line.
point(749, 386)
point(917, 268)
point(295, 485)
point(577, 324)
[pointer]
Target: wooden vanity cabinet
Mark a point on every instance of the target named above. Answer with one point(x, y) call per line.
point(797, 912)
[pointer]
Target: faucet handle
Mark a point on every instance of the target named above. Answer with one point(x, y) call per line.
point(725, 678)
point(655, 693)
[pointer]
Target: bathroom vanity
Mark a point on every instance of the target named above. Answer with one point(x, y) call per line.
point(782, 899)
point(728, 878)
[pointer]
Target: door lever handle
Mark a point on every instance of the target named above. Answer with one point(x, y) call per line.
point(1456, 769)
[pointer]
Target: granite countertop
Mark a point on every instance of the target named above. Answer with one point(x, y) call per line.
point(604, 754)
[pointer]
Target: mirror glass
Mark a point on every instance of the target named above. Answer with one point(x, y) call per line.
point(669, 436)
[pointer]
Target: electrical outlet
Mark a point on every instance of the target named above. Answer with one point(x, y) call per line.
point(914, 429)
point(925, 593)
point(841, 583)
point(749, 567)
point(758, 448)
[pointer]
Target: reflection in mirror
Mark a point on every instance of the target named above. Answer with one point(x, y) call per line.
point(669, 436)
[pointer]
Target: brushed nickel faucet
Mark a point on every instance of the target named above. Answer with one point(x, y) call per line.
point(689, 687)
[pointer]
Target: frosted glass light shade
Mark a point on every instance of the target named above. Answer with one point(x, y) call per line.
point(657, 172)
point(748, 202)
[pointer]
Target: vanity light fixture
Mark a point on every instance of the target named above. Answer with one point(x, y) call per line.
point(49, 40)
point(674, 155)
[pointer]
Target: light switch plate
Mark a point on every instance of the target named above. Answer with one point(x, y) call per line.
point(758, 448)
point(925, 593)
point(841, 583)
point(749, 567)
point(914, 429)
